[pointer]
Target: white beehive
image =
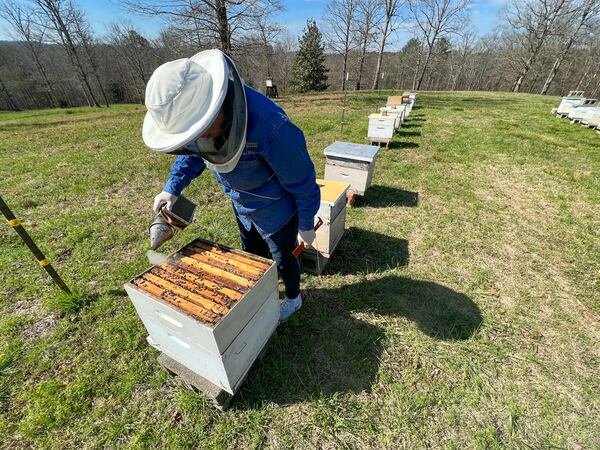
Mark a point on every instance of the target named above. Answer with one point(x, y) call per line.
point(593, 120)
point(333, 213)
point(381, 128)
point(351, 163)
point(568, 103)
point(210, 308)
point(398, 112)
point(581, 111)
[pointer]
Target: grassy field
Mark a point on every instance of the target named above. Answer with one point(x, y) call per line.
point(460, 310)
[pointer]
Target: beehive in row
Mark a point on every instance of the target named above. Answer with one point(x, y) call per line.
point(381, 127)
point(210, 308)
point(351, 163)
point(397, 111)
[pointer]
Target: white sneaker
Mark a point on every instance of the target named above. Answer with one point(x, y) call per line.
point(289, 307)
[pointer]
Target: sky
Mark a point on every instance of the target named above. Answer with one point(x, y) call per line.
point(102, 12)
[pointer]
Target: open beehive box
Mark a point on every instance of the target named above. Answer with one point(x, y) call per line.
point(210, 308)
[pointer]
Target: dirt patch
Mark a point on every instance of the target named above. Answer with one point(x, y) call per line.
point(28, 307)
point(41, 328)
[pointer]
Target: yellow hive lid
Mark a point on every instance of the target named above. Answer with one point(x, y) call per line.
point(331, 190)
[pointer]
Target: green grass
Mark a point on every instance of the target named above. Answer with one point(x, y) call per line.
point(460, 310)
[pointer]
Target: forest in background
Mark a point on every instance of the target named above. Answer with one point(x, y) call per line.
point(56, 59)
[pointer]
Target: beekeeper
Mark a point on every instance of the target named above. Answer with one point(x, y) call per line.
point(200, 109)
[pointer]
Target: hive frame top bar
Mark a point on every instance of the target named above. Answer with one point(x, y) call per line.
point(173, 257)
point(349, 150)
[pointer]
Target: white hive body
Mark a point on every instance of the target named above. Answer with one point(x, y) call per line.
point(587, 115)
point(409, 98)
point(593, 119)
point(404, 101)
point(381, 128)
point(351, 163)
point(568, 103)
point(397, 112)
point(210, 308)
point(581, 112)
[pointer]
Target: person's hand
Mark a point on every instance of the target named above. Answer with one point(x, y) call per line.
point(308, 237)
point(164, 198)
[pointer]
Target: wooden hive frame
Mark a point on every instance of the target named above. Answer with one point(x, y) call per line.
point(203, 279)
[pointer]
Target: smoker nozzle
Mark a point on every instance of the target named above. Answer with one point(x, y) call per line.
point(160, 232)
point(168, 221)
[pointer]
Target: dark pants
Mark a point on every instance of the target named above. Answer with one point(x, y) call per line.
point(280, 247)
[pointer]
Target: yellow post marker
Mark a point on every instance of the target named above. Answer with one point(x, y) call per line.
point(15, 223)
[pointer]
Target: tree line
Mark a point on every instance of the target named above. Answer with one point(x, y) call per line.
point(57, 59)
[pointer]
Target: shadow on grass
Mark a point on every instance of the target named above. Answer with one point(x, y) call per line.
point(378, 196)
point(401, 144)
point(404, 133)
point(325, 350)
point(363, 251)
point(415, 124)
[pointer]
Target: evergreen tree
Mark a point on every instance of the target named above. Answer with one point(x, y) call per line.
point(308, 70)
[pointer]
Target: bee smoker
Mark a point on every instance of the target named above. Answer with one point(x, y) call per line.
point(169, 221)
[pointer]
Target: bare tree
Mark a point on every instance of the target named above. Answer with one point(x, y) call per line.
point(59, 14)
point(340, 19)
point(437, 19)
point(85, 40)
point(465, 48)
point(24, 28)
point(222, 21)
point(267, 34)
point(392, 11)
point(586, 12)
point(135, 53)
point(533, 21)
point(369, 18)
point(11, 101)
point(284, 49)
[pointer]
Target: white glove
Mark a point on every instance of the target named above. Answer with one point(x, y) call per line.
point(164, 198)
point(308, 237)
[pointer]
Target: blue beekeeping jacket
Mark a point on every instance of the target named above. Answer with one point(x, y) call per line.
point(274, 178)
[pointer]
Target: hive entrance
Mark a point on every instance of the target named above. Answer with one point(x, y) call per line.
point(203, 279)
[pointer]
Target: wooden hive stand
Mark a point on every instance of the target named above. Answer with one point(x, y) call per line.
point(312, 261)
point(220, 398)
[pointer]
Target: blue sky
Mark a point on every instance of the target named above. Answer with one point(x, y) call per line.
point(102, 12)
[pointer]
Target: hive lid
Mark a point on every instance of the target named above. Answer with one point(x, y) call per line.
point(349, 150)
point(394, 100)
point(203, 279)
point(394, 108)
point(331, 190)
point(379, 116)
